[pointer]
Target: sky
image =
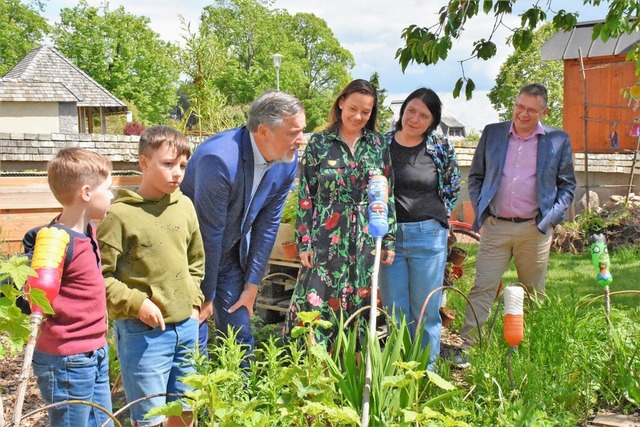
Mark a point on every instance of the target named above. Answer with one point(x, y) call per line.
point(371, 31)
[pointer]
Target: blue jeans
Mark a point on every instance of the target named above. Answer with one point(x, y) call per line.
point(153, 361)
point(230, 286)
point(418, 268)
point(83, 376)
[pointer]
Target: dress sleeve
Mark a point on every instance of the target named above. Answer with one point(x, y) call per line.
point(389, 241)
point(307, 190)
point(451, 177)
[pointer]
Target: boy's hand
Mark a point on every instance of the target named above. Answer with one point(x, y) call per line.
point(206, 311)
point(247, 299)
point(150, 314)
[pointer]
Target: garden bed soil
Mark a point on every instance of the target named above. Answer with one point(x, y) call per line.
point(9, 380)
point(624, 231)
point(10, 368)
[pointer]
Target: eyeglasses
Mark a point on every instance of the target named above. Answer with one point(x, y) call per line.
point(530, 111)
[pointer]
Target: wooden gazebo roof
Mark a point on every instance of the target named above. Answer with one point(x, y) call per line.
point(44, 74)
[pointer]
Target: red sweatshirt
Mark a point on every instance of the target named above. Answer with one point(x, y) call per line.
point(79, 324)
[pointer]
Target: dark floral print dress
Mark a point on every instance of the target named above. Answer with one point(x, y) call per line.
point(332, 221)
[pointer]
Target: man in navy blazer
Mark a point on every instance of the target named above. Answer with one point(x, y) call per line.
point(521, 183)
point(238, 181)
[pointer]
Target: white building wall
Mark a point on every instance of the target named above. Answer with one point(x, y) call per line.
point(29, 117)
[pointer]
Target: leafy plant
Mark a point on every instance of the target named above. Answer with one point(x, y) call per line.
point(569, 364)
point(589, 222)
point(284, 386)
point(290, 209)
point(14, 324)
point(402, 390)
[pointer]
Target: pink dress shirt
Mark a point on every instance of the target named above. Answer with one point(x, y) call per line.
point(516, 196)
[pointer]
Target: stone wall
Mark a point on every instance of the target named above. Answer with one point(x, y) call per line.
point(609, 174)
point(25, 151)
point(68, 117)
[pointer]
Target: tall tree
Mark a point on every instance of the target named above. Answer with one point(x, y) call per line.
point(318, 68)
point(314, 65)
point(207, 111)
point(524, 67)
point(21, 29)
point(428, 45)
point(248, 31)
point(121, 52)
point(385, 114)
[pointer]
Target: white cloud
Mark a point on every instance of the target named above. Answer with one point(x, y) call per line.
point(371, 30)
point(477, 112)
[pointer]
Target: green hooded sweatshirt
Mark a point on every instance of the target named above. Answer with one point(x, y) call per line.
point(152, 249)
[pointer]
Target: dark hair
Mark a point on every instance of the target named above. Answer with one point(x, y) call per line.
point(536, 89)
point(360, 86)
point(433, 103)
point(156, 136)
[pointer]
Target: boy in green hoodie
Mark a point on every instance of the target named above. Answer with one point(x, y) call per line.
point(153, 263)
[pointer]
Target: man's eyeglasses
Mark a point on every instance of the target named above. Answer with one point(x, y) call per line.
point(530, 111)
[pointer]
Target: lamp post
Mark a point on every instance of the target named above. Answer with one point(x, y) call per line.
point(277, 59)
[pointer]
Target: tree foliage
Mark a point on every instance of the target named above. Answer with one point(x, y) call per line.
point(121, 52)
point(428, 45)
point(206, 110)
point(524, 67)
point(318, 66)
point(385, 114)
point(21, 29)
point(249, 33)
point(314, 65)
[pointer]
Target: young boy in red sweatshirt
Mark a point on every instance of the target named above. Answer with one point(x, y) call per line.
point(71, 360)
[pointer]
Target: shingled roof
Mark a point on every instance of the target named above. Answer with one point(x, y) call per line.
point(44, 74)
point(35, 91)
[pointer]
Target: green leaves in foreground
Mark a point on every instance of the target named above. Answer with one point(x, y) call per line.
point(14, 324)
point(401, 386)
point(301, 384)
point(469, 88)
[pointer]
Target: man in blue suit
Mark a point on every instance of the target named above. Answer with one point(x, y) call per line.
point(238, 181)
point(521, 183)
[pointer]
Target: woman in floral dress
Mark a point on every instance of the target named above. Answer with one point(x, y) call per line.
point(336, 251)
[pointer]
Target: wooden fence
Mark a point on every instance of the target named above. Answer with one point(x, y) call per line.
point(26, 202)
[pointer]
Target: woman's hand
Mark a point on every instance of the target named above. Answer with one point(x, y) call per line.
point(306, 259)
point(386, 257)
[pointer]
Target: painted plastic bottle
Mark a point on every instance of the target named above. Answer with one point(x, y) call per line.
point(378, 191)
point(513, 315)
point(48, 262)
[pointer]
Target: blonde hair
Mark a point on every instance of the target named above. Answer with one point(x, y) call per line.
point(154, 137)
point(74, 167)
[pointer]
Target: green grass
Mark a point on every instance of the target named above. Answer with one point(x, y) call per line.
point(574, 275)
point(573, 360)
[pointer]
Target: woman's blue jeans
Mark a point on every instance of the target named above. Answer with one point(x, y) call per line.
point(418, 268)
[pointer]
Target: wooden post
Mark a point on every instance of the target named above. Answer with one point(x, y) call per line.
point(103, 120)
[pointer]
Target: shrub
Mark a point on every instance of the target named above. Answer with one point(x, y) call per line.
point(133, 128)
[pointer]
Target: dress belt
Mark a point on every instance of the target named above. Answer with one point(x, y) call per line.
point(514, 220)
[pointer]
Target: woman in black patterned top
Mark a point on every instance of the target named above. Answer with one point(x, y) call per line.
point(427, 185)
